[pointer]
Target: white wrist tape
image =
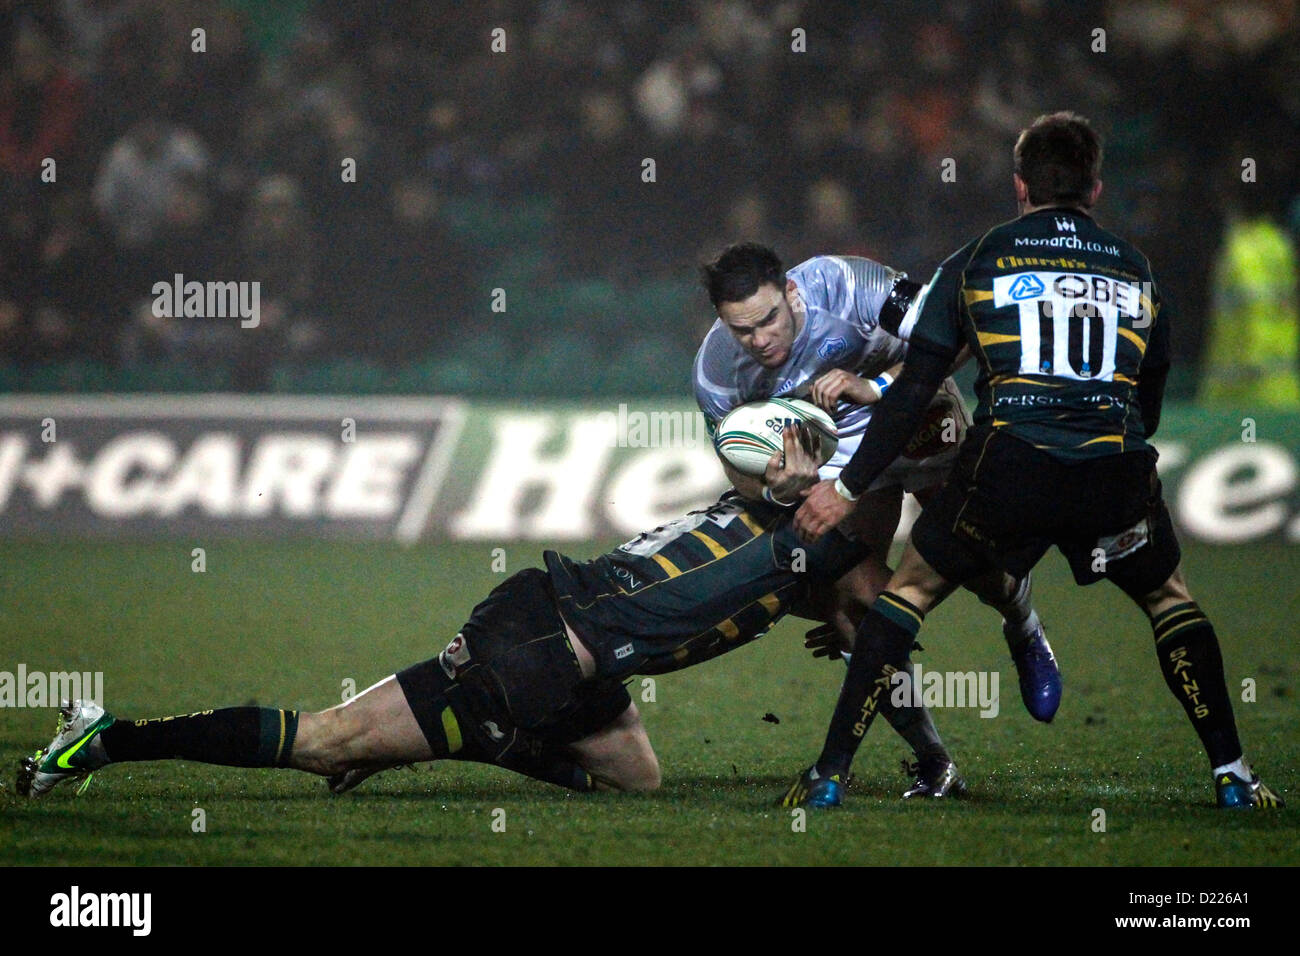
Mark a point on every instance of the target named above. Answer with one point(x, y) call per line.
point(880, 384)
point(768, 496)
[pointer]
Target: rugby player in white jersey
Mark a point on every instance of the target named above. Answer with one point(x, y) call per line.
point(827, 331)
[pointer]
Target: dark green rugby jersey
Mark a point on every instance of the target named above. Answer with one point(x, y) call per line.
point(694, 588)
point(1062, 317)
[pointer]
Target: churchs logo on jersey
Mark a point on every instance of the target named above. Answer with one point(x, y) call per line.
point(1026, 287)
point(833, 348)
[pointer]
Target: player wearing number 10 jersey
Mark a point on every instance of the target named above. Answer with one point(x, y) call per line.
point(1072, 341)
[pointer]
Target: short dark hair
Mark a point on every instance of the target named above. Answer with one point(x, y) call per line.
point(1059, 158)
point(739, 271)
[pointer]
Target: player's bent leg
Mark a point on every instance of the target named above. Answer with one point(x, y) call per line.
point(875, 525)
point(372, 731)
point(1037, 671)
point(881, 651)
point(619, 755)
point(843, 602)
point(917, 583)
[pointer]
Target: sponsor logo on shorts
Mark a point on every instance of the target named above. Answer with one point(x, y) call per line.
point(969, 530)
point(454, 656)
point(622, 652)
point(1121, 545)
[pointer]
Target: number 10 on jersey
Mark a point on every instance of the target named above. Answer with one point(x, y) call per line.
point(1070, 322)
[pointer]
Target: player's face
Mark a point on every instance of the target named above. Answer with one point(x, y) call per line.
point(763, 324)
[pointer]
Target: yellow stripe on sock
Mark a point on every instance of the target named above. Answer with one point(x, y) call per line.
point(1161, 624)
point(1173, 614)
point(279, 748)
point(1178, 627)
point(902, 607)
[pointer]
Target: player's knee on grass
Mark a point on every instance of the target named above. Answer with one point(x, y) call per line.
point(639, 771)
point(619, 756)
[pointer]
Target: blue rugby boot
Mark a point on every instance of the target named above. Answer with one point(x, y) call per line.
point(1233, 793)
point(1040, 678)
point(814, 790)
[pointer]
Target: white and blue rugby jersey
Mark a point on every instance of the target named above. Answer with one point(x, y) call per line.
point(854, 307)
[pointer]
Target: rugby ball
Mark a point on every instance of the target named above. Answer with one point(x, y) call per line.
point(751, 434)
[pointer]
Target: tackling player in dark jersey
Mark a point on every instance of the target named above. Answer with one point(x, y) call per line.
point(1067, 324)
point(534, 680)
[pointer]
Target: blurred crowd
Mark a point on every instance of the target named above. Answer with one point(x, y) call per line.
point(517, 159)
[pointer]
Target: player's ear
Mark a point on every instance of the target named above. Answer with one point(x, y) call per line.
point(1095, 195)
point(1022, 191)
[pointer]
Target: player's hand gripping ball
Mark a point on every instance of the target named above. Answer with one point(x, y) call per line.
point(751, 434)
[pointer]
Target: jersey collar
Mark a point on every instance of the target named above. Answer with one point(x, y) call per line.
point(1059, 210)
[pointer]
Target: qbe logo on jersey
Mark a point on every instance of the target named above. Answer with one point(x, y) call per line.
point(1070, 322)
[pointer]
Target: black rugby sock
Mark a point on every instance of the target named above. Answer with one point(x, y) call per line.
point(232, 736)
point(913, 722)
point(1193, 667)
point(883, 642)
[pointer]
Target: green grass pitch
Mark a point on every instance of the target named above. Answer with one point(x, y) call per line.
point(287, 623)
